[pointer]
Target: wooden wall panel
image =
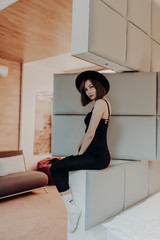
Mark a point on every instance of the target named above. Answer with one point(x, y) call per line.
point(10, 106)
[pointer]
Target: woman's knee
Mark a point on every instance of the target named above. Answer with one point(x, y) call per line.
point(55, 167)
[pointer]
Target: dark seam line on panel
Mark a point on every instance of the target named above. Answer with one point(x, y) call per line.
point(138, 28)
point(113, 9)
point(154, 40)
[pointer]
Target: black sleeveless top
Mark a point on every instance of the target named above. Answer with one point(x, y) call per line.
point(98, 146)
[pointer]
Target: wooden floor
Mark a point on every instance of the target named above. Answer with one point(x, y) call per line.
point(36, 215)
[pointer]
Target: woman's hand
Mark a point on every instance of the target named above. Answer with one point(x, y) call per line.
point(79, 147)
point(76, 152)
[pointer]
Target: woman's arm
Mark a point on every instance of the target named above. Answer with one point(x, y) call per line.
point(95, 119)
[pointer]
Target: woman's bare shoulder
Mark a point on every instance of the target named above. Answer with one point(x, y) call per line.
point(99, 102)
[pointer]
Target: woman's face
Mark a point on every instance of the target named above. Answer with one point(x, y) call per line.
point(90, 90)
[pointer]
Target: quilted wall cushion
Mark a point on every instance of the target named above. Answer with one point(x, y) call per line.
point(13, 164)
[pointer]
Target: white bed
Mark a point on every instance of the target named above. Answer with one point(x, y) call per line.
point(141, 222)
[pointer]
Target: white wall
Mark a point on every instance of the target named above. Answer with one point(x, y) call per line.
point(39, 76)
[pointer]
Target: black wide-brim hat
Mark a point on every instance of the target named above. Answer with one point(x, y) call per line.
point(92, 75)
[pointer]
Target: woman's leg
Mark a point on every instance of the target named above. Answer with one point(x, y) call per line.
point(59, 171)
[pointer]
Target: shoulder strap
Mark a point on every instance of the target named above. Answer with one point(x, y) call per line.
point(108, 108)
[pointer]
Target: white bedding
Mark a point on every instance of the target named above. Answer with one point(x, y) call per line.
point(141, 222)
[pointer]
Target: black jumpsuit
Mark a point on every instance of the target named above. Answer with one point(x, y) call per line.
point(95, 157)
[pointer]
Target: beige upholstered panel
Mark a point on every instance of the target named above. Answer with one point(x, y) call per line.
point(106, 24)
point(111, 43)
point(67, 133)
point(136, 182)
point(139, 13)
point(132, 131)
point(66, 96)
point(132, 137)
point(155, 56)
point(96, 197)
point(138, 49)
point(120, 6)
point(154, 177)
point(155, 30)
point(123, 88)
point(132, 93)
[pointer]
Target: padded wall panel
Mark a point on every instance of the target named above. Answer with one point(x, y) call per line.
point(138, 49)
point(95, 39)
point(124, 87)
point(154, 177)
point(109, 41)
point(67, 97)
point(158, 94)
point(136, 182)
point(80, 26)
point(158, 138)
point(120, 6)
point(139, 13)
point(132, 137)
point(81, 33)
point(155, 56)
point(132, 93)
point(155, 19)
point(67, 133)
point(97, 195)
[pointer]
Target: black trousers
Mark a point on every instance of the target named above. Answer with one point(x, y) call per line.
point(60, 168)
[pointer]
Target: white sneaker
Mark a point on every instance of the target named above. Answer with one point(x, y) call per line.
point(74, 212)
point(74, 215)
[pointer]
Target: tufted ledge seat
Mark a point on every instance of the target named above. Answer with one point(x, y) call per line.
point(103, 194)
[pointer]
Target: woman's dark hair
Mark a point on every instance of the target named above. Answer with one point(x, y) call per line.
point(100, 91)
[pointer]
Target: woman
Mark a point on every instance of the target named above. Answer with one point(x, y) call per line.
point(92, 152)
